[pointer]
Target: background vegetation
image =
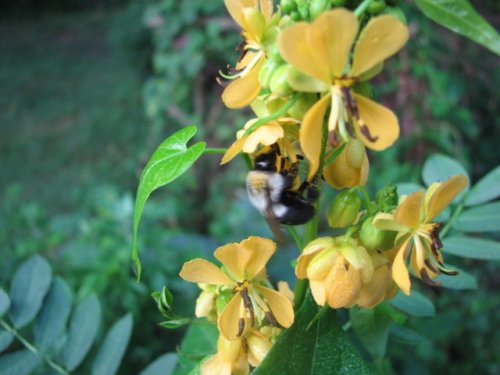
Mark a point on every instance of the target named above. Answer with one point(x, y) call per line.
point(88, 92)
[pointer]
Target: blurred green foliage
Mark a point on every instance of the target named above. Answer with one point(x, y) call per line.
point(91, 94)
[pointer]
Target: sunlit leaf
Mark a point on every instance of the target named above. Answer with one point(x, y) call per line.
point(28, 288)
point(460, 17)
point(479, 219)
point(170, 160)
point(82, 331)
point(415, 304)
point(115, 343)
point(474, 248)
point(322, 348)
point(485, 190)
point(51, 322)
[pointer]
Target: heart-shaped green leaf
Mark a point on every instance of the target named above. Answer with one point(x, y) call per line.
point(170, 160)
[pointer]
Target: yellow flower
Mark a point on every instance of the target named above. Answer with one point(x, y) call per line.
point(350, 168)
point(417, 237)
point(230, 359)
point(255, 18)
point(381, 286)
point(266, 134)
point(320, 53)
point(243, 274)
point(336, 268)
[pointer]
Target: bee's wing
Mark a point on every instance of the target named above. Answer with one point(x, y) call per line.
point(272, 221)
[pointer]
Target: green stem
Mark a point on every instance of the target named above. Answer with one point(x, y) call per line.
point(295, 236)
point(450, 222)
point(215, 151)
point(362, 8)
point(32, 348)
point(273, 116)
point(366, 197)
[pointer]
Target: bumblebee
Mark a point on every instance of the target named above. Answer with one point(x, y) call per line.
point(274, 188)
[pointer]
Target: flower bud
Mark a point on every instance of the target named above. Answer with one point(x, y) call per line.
point(316, 7)
point(338, 3)
point(350, 168)
point(302, 105)
point(288, 6)
point(344, 209)
point(258, 347)
point(376, 7)
point(229, 350)
point(387, 198)
point(279, 82)
point(205, 303)
point(274, 54)
point(266, 72)
point(374, 239)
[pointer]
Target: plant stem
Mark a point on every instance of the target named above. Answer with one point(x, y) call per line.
point(32, 348)
point(273, 116)
point(295, 236)
point(215, 151)
point(366, 197)
point(450, 222)
point(362, 7)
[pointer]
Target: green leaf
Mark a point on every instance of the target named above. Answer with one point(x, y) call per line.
point(474, 248)
point(324, 348)
point(460, 17)
point(407, 335)
point(372, 328)
point(19, 363)
point(51, 322)
point(485, 218)
point(110, 354)
point(6, 339)
point(199, 341)
point(415, 304)
point(170, 160)
point(486, 189)
point(82, 331)
point(439, 168)
point(4, 302)
point(462, 281)
point(164, 365)
point(27, 290)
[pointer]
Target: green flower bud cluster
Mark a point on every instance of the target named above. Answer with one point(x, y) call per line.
point(308, 10)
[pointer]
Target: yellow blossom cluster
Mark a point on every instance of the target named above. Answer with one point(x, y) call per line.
point(315, 71)
point(239, 297)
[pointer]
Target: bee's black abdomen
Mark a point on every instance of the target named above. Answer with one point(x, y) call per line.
point(298, 210)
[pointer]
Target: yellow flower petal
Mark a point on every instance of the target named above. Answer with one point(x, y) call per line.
point(444, 195)
point(215, 365)
point(381, 38)
point(379, 128)
point(304, 83)
point(202, 271)
point(320, 266)
point(318, 291)
point(311, 134)
point(297, 50)
point(342, 285)
point(373, 293)
point(318, 244)
point(266, 7)
point(386, 221)
point(261, 250)
point(255, 23)
point(280, 306)
point(409, 211)
point(235, 9)
point(359, 258)
point(331, 37)
point(235, 258)
point(285, 290)
point(233, 150)
point(302, 264)
point(399, 272)
point(229, 319)
point(243, 90)
point(266, 134)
